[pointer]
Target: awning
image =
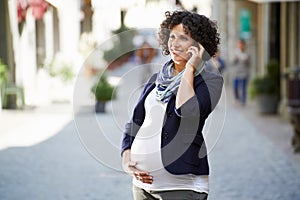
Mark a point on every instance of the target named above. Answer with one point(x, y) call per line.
point(272, 1)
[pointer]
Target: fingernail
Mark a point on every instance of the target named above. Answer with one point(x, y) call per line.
point(132, 163)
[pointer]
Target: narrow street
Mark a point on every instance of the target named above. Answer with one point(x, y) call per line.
point(247, 162)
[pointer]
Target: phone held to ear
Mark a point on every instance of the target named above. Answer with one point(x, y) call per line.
point(206, 56)
point(197, 45)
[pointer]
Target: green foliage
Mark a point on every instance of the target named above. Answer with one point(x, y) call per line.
point(62, 70)
point(122, 28)
point(3, 72)
point(268, 84)
point(103, 90)
point(122, 46)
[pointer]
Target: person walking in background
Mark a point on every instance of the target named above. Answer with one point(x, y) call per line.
point(145, 55)
point(163, 146)
point(241, 71)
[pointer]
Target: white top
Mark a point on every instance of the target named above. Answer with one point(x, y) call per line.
point(241, 69)
point(146, 151)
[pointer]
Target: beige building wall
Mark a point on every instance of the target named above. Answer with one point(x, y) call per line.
point(290, 44)
point(227, 14)
point(25, 51)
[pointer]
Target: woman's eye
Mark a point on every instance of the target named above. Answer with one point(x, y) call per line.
point(172, 37)
point(184, 38)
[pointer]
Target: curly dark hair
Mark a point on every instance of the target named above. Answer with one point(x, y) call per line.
point(200, 28)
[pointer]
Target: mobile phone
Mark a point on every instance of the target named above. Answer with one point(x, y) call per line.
point(205, 56)
point(196, 45)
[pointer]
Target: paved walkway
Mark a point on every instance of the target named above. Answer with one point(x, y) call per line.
point(67, 157)
point(248, 163)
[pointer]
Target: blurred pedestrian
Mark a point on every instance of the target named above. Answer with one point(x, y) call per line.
point(163, 146)
point(145, 55)
point(241, 72)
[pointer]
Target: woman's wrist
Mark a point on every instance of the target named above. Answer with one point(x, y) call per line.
point(190, 68)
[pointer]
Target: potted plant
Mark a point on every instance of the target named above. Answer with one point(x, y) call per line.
point(266, 89)
point(3, 78)
point(103, 92)
point(7, 89)
point(3, 72)
point(61, 69)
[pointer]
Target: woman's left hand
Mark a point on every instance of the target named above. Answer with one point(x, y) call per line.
point(130, 168)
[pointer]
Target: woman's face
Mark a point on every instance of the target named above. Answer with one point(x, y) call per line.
point(178, 44)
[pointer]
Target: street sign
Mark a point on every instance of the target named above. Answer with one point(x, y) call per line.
point(245, 24)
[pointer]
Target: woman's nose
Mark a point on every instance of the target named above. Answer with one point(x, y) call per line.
point(175, 43)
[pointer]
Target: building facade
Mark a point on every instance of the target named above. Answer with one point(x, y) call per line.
point(36, 33)
point(271, 29)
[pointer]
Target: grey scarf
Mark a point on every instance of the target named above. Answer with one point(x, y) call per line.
point(167, 84)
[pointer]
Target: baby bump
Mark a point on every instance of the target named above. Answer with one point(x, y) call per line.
point(146, 156)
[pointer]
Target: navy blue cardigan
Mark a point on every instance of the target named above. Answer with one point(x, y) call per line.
point(183, 147)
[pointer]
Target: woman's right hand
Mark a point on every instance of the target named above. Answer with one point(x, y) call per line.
point(130, 168)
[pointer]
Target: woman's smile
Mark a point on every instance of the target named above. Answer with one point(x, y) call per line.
point(176, 52)
point(178, 44)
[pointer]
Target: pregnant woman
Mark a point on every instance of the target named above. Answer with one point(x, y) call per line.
point(163, 147)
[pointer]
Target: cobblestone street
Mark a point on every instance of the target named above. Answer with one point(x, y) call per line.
point(247, 162)
point(246, 165)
